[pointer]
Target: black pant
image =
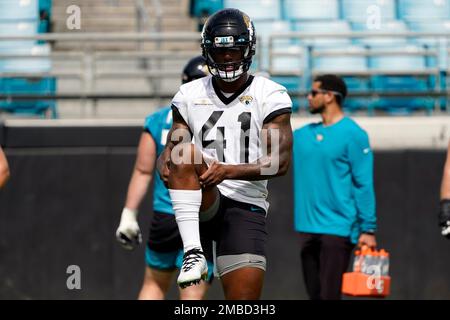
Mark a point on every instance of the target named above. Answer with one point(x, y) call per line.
point(324, 259)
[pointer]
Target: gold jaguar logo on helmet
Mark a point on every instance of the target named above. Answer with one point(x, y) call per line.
point(246, 20)
point(246, 100)
point(205, 69)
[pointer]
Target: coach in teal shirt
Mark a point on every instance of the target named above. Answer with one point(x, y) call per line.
point(333, 188)
point(333, 179)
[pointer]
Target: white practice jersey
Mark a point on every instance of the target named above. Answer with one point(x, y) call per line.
point(228, 129)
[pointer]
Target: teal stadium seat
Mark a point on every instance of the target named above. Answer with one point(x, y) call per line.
point(390, 27)
point(331, 26)
point(257, 9)
point(19, 10)
point(264, 29)
point(287, 56)
point(287, 61)
point(439, 27)
point(205, 7)
point(36, 86)
point(351, 64)
point(433, 26)
point(407, 80)
point(438, 43)
point(28, 65)
point(431, 10)
point(21, 18)
point(17, 28)
point(361, 10)
point(351, 59)
point(46, 5)
point(311, 9)
point(45, 15)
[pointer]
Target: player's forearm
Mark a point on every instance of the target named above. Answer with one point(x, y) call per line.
point(265, 168)
point(137, 189)
point(277, 136)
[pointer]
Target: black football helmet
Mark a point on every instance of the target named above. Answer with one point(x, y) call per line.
point(196, 68)
point(228, 29)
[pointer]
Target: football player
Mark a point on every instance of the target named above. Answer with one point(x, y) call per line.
point(217, 160)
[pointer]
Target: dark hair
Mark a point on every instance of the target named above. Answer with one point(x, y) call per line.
point(333, 83)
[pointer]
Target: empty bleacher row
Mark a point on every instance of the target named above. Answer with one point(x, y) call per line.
point(393, 54)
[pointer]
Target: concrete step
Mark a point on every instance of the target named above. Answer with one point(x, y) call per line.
point(98, 25)
point(97, 10)
point(120, 24)
point(119, 3)
point(110, 109)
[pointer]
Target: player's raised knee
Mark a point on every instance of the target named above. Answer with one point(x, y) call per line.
point(185, 154)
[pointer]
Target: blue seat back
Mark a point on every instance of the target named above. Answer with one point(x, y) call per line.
point(431, 10)
point(19, 10)
point(28, 65)
point(41, 86)
point(311, 9)
point(390, 27)
point(257, 9)
point(406, 61)
point(265, 28)
point(362, 10)
point(335, 26)
point(341, 59)
point(11, 28)
point(208, 7)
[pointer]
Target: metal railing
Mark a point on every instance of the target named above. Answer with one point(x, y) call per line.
point(88, 57)
point(305, 49)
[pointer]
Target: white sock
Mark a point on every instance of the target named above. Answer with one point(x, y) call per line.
point(186, 204)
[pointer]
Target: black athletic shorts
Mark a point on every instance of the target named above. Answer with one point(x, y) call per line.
point(237, 228)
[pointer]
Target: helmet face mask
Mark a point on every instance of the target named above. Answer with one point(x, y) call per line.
point(227, 70)
point(228, 33)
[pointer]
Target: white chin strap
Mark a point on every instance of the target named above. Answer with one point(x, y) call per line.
point(226, 75)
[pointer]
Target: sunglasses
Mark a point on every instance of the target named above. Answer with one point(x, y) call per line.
point(314, 92)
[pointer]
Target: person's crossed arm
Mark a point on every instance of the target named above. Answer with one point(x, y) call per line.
point(275, 163)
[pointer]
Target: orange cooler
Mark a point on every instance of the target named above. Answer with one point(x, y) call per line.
point(364, 285)
point(363, 282)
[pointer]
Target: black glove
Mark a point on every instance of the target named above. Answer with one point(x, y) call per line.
point(444, 217)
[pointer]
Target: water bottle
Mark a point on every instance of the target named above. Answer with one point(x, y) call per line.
point(369, 262)
point(357, 261)
point(363, 259)
point(384, 262)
